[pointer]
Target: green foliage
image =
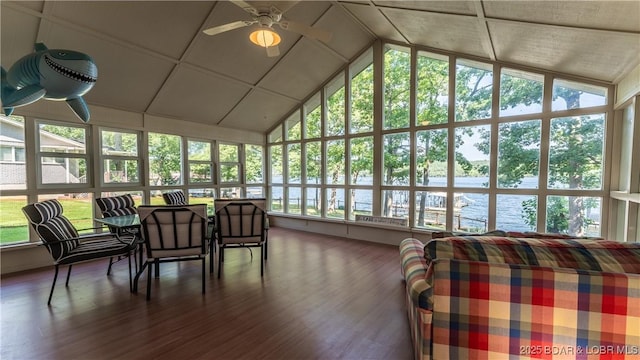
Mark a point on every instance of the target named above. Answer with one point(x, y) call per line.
point(165, 159)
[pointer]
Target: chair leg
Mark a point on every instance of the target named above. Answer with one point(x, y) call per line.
point(204, 266)
point(262, 260)
point(220, 260)
point(137, 277)
point(68, 276)
point(149, 283)
point(266, 244)
point(130, 279)
point(110, 263)
point(157, 268)
point(212, 249)
point(55, 277)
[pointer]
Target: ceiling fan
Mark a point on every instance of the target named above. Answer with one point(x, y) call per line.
point(264, 35)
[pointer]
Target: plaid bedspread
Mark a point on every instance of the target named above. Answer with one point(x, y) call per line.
point(484, 302)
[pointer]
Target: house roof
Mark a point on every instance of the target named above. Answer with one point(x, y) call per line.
point(153, 57)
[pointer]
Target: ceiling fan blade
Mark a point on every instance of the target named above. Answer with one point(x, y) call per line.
point(308, 31)
point(273, 51)
point(227, 27)
point(246, 7)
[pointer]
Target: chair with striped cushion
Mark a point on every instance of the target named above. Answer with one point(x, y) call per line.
point(64, 243)
point(118, 206)
point(173, 233)
point(174, 198)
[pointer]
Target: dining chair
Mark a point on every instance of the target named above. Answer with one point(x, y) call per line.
point(176, 197)
point(64, 243)
point(241, 223)
point(173, 233)
point(118, 206)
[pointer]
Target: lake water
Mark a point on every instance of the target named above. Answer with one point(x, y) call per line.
point(509, 211)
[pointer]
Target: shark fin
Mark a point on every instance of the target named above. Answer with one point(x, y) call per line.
point(80, 108)
point(40, 47)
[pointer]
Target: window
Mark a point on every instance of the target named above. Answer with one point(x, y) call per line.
point(120, 161)
point(397, 86)
point(62, 154)
point(451, 162)
point(165, 159)
point(13, 171)
point(200, 162)
point(14, 227)
point(474, 86)
point(229, 163)
point(253, 164)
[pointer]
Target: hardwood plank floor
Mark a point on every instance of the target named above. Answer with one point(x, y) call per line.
point(321, 297)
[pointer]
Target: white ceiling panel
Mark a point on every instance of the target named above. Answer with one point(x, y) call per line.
point(348, 37)
point(619, 15)
point(451, 7)
point(189, 93)
point(592, 54)
point(374, 21)
point(304, 68)
point(165, 27)
point(427, 29)
point(20, 40)
point(258, 111)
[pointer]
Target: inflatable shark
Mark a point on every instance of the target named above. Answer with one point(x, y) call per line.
point(54, 74)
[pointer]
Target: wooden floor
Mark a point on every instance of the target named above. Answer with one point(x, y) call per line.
point(321, 297)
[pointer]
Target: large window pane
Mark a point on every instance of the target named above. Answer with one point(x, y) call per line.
point(396, 157)
point(199, 150)
point(120, 171)
point(276, 134)
point(335, 162)
point(432, 91)
point(229, 163)
point(470, 212)
point(335, 203)
point(397, 86)
point(431, 157)
point(431, 210)
point(255, 192)
point(13, 170)
point(472, 156)
point(362, 95)
point(294, 200)
point(294, 163)
point(313, 118)
point(361, 203)
point(576, 152)
point(519, 154)
point(119, 143)
point(62, 139)
point(228, 152)
point(200, 173)
point(313, 165)
point(361, 156)
point(275, 154)
point(277, 199)
point(230, 192)
point(165, 159)
point(253, 164)
point(520, 92)
point(229, 173)
point(517, 212)
point(292, 126)
point(313, 205)
point(13, 224)
point(574, 215)
point(63, 170)
point(335, 107)
point(574, 95)
point(474, 84)
point(395, 203)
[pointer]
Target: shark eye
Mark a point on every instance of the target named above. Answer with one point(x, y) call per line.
point(61, 53)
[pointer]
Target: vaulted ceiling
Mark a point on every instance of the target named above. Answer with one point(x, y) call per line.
point(153, 57)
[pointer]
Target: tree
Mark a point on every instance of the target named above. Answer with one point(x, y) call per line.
point(165, 159)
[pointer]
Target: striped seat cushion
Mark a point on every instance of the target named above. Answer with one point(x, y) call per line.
point(583, 254)
point(105, 246)
point(116, 205)
point(47, 220)
point(174, 198)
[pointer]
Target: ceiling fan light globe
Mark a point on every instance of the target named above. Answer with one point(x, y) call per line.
point(265, 38)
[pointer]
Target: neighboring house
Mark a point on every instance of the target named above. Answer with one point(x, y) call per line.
point(12, 156)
